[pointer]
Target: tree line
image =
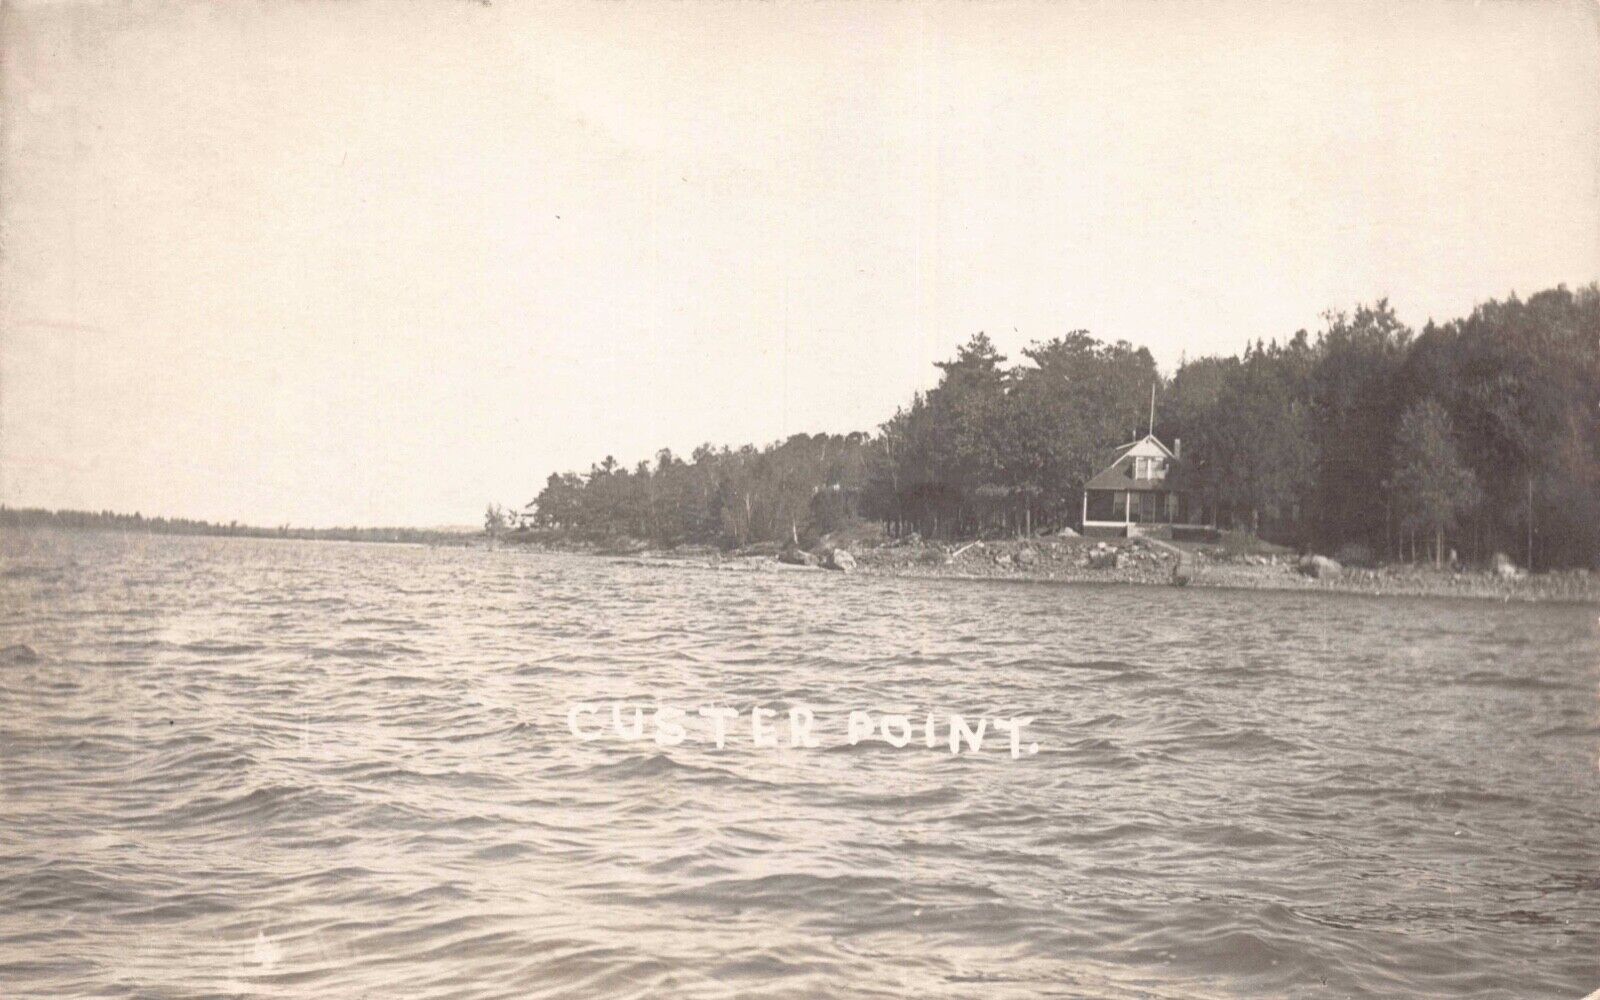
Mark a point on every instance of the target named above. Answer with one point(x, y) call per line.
point(1473, 436)
point(137, 523)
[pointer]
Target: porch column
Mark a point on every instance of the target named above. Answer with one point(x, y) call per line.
point(1127, 507)
point(1085, 508)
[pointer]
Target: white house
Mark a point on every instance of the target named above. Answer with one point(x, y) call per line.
point(1134, 495)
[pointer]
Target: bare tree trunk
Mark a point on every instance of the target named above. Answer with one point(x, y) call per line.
point(1530, 524)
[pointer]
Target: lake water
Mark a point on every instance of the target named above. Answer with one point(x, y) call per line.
point(295, 769)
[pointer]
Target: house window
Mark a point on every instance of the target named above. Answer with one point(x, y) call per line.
point(1149, 468)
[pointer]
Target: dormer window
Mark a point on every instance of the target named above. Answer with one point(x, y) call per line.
point(1148, 468)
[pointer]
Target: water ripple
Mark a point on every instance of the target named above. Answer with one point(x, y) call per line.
point(282, 769)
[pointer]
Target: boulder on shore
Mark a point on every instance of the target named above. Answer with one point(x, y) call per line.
point(797, 557)
point(840, 559)
point(1503, 566)
point(1182, 571)
point(1026, 557)
point(1104, 558)
point(1320, 567)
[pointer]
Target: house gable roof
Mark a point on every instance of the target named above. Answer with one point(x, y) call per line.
point(1116, 474)
point(1149, 446)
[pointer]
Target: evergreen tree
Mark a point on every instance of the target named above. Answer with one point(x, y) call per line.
point(1432, 487)
point(1346, 438)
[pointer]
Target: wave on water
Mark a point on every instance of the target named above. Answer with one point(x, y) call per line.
point(234, 767)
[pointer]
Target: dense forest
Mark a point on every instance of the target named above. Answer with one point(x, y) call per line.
point(1368, 438)
point(105, 520)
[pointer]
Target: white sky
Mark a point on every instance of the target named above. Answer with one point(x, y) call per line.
point(345, 262)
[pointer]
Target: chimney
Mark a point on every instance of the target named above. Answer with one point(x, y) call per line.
point(1177, 447)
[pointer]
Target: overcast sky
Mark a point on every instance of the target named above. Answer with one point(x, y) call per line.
point(333, 263)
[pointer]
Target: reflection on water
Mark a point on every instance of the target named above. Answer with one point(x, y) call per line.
point(299, 769)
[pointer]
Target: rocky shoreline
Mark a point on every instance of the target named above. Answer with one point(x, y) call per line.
point(1062, 559)
point(1144, 562)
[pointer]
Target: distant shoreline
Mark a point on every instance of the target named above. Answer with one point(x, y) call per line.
point(136, 524)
